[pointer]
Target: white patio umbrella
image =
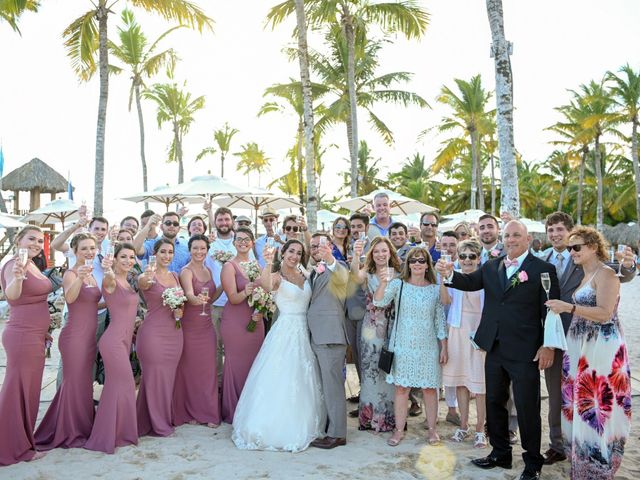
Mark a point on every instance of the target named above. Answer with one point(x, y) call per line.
point(400, 205)
point(325, 219)
point(166, 194)
point(212, 187)
point(534, 226)
point(10, 221)
point(60, 210)
point(451, 220)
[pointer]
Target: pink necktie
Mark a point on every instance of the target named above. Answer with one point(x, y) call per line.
point(510, 263)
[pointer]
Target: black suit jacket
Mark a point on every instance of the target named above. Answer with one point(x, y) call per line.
point(512, 314)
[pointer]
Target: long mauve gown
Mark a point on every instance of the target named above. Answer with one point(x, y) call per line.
point(159, 347)
point(240, 348)
point(115, 424)
point(69, 419)
point(23, 340)
point(195, 396)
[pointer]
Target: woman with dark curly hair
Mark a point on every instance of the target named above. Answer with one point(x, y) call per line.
point(596, 381)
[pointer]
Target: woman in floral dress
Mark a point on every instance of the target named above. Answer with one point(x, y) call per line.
point(376, 395)
point(596, 380)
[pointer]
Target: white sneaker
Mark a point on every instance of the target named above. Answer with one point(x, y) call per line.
point(480, 440)
point(460, 435)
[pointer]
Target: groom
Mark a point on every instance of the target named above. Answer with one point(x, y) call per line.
point(329, 337)
point(511, 332)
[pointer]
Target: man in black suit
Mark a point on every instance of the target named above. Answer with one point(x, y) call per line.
point(558, 226)
point(511, 332)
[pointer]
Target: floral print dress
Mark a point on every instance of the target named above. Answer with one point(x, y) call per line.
point(376, 395)
point(596, 394)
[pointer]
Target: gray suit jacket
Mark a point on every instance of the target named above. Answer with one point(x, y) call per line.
point(326, 313)
point(572, 278)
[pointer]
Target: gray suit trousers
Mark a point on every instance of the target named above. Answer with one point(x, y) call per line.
point(331, 362)
point(553, 377)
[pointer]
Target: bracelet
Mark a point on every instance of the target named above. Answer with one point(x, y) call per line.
point(573, 309)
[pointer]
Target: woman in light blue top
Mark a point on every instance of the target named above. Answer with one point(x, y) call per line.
point(418, 338)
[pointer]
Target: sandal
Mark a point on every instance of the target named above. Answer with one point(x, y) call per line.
point(394, 440)
point(460, 435)
point(480, 440)
point(433, 439)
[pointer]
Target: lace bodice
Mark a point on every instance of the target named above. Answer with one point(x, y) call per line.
point(291, 299)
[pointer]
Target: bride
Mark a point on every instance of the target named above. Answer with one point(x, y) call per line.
point(281, 406)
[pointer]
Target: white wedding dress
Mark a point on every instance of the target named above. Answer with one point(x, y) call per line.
point(281, 406)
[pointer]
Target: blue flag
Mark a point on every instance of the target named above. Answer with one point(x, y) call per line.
point(69, 187)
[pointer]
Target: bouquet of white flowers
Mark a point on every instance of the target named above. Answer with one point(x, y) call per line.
point(262, 302)
point(251, 269)
point(222, 256)
point(174, 299)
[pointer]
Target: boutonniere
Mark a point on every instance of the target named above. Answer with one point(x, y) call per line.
point(495, 253)
point(320, 268)
point(520, 278)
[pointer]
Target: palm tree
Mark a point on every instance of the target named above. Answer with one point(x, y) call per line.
point(561, 165)
point(11, 10)
point(252, 158)
point(352, 18)
point(510, 197)
point(472, 119)
point(368, 172)
point(143, 63)
point(626, 93)
point(222, 137)
point(176, 107)
point(86, 37)
point(537, 200)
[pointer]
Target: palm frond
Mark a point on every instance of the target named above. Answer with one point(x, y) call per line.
point(81, 44)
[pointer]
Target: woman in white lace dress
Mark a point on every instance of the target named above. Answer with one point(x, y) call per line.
point(281, 406)
point(418, 338)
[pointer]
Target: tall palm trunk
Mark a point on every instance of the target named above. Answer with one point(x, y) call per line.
point(222, 164)
point(142, 155)
point(474, 169)
point(510, 196)
point(177, 138)
point(479, 180)
point(563, 187)
point(493, 186)
point(598, 160)
point(636, 167)
point(307, 106)
point(349, 33)
point(299, 162)
point(103, 50)
point(583, 162)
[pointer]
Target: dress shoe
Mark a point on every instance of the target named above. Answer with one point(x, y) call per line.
point(414, 410)
point(328, 442)
point(513, 437)
point(354, 413)
point(552, 456)
point(530, 475)
point(491, 462)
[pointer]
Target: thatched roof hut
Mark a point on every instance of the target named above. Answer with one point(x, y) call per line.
point(35, 177)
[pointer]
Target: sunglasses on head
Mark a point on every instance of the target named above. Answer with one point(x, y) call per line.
point(470, 256)
point(421, 261)
point(169, 223)
point(577, 247)
point(289, 228)
point(430, 224)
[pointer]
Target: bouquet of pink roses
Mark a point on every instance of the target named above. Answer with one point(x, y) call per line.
point(174, 298)
point(222, 256)
point(262, 302)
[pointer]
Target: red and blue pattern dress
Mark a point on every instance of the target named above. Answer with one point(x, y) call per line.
point(596, 394)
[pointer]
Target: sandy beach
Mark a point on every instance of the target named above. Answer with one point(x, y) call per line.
point(197, 452)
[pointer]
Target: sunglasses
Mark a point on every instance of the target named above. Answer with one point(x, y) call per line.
point(289, 228)
point(577, 247)
point(169, 223)
point(429, 224)
point(243, 240)
point(421, 261)
point(340, 227)
point(464, 256)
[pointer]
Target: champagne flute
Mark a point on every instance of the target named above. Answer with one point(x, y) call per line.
point(612, 255)
point(412, 239)
point(204, 293)
point(152, 265)
point(323, 243)
point(621, 250)
point(23, 258)
point(362, 236)
point(546, 282)
point(88, 263)
point(391, 273)
point(111, 251)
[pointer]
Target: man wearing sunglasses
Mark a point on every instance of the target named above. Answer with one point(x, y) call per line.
point(269, 218)
point(558, 226)
point(169, 227)
point(429, 233)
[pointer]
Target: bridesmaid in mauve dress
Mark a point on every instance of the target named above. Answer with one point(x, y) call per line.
point(115, 423)
point(240, 345)
point(195, 396)
point(69, 419)
point(23, 340)
point(159, 347)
